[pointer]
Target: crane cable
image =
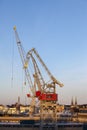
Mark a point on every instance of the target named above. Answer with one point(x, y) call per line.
point(12, 69)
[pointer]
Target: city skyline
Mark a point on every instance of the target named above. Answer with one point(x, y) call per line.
point(58, 31)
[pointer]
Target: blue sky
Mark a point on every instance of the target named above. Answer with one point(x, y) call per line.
point(58, 31)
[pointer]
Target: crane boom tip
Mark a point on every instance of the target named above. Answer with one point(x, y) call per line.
point(14, 27)
point(61, 85)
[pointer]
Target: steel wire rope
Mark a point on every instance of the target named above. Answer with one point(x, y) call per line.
point(12, 64)
point(31, 68)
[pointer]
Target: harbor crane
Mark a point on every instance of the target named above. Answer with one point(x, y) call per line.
point(41, 87)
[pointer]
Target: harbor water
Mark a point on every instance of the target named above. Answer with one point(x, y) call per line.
point(58, 126)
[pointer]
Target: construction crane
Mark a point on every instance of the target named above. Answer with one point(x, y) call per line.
point(31, 84)
point(42, 89)
point(46, 90)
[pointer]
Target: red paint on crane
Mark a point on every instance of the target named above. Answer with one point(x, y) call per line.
point(48, 97)
point(38, 93)
point(28, 95)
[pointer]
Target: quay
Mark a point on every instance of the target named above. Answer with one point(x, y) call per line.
point(81, 118)
point(8, 119)
point(34, 123)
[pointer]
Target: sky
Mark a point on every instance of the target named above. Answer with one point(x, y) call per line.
point(58, 31)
